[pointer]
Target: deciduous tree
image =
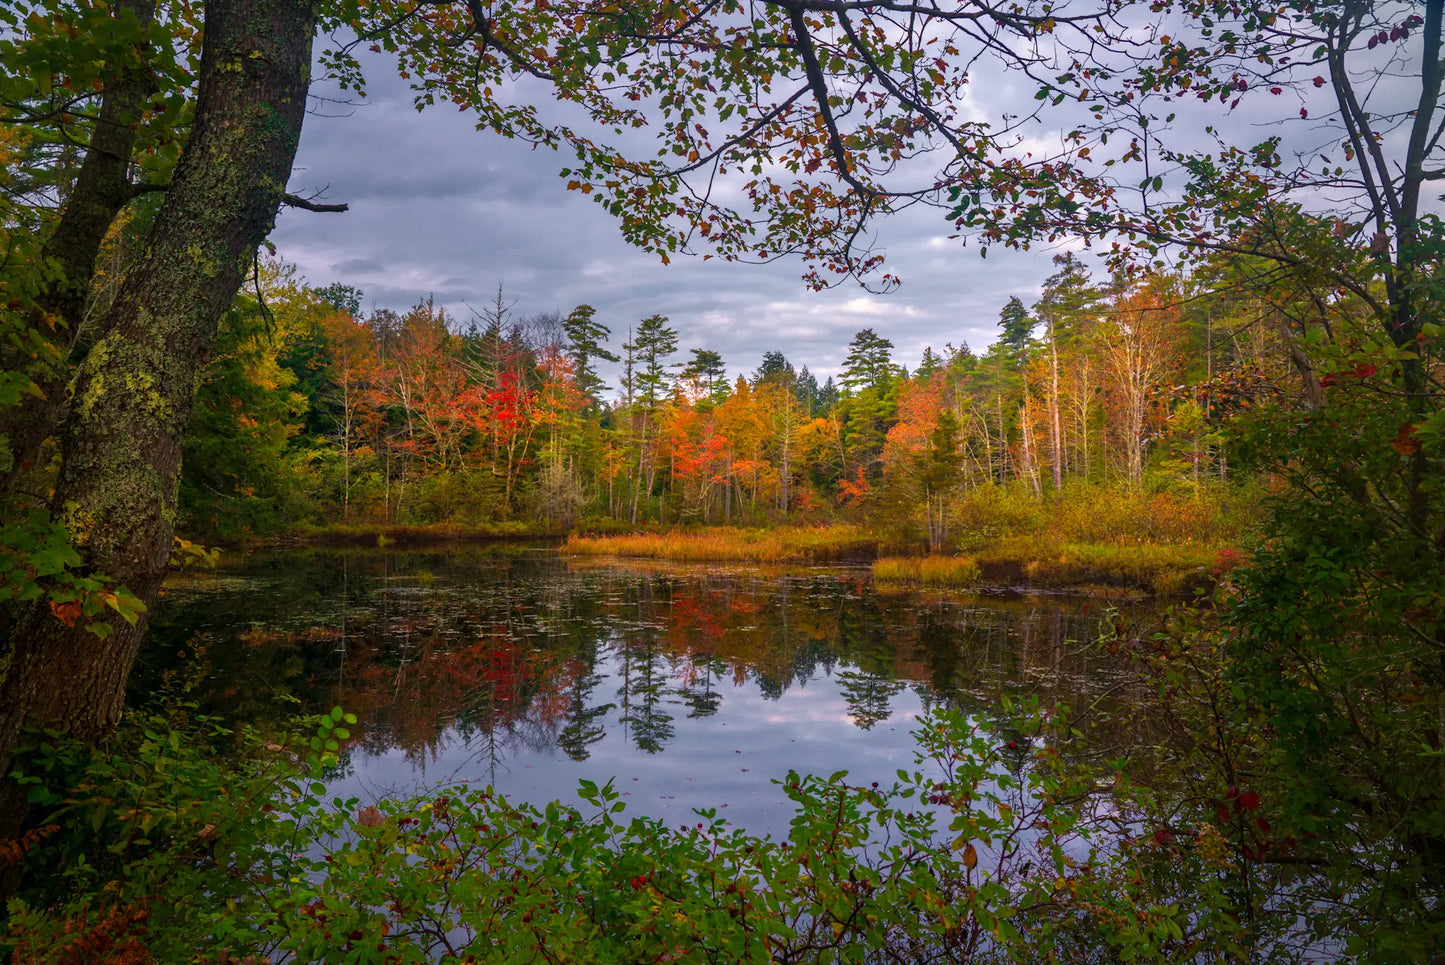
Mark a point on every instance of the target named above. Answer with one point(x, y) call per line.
point(133, 394)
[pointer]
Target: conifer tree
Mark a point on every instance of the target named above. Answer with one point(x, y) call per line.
point(586, 342)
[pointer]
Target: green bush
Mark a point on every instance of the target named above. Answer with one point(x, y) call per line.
point(986, 850)
point(466, 496)
point(167, 843)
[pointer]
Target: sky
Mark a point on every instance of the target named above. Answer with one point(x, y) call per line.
point(440, 209)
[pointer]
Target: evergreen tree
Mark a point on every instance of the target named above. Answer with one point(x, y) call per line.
point(806, 388)
point(707, 370)
point(932, 362)
point(654, 343)
point(1017, 326)
point(827, 394)
point(775, 367)
point(938, 476)
point(869, 363)
point(1067, 303)
point(1068, 300)
point(586, 342)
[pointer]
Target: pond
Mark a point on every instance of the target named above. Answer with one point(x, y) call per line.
point(690, 686)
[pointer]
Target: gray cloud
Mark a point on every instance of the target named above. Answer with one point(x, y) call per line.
point(440, 209)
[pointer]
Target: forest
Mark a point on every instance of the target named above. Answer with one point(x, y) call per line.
point(1228, 391)
point(312, 413)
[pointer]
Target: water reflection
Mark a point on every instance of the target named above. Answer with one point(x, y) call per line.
point(693, 687)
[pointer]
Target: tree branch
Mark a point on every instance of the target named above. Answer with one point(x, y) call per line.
point(293, 201)
point(818, 82)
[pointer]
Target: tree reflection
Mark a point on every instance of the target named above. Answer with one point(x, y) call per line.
point(586, 723)
point(506, 654)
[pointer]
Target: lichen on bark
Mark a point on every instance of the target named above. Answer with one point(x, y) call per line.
point(121, 444)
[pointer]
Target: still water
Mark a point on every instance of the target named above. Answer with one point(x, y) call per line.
point(691, 686)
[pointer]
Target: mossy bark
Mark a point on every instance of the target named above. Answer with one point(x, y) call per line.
point(102, 188)
point(121, 444)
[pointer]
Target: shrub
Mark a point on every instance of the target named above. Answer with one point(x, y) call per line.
point(167, 843)
point(983, 851)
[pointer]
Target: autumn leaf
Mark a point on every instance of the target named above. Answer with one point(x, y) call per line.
point(1405, 441)
point(66, 613)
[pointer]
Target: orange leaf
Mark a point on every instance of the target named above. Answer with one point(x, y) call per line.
point(1405, 442)
point(66, 613)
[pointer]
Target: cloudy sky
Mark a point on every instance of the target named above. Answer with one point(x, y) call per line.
point(439, 208)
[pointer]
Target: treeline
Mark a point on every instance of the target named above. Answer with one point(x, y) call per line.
point(314, 413)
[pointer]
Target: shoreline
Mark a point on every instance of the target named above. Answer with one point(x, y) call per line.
point(1020, 562)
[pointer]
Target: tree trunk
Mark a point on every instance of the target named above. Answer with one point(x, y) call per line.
point(1056, 432)
point(101, 190)
point(1030, 463)
point(121, 445)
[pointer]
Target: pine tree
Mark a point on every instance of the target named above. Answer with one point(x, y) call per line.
point(707, 370)
point(931, 362)
point(586, 338)
point(775, 367)
point(1017, 328)
point(655, 343)
point(869, 363)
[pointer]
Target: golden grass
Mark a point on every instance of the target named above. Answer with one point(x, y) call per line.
point(731, 544)
point(1166, 569)
point(928, 570)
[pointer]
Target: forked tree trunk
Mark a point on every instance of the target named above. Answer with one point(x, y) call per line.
point(121, 445)
point(102, 189)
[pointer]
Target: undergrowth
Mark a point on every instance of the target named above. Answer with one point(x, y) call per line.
point(985, 850)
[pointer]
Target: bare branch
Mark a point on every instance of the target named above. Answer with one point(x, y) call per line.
point(292, 201)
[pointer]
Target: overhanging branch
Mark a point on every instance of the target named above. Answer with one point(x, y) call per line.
point(293, 201)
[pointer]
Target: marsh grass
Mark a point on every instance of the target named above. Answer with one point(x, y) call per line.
point(1163, 568)
point(733, 544)
point(930, 570)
